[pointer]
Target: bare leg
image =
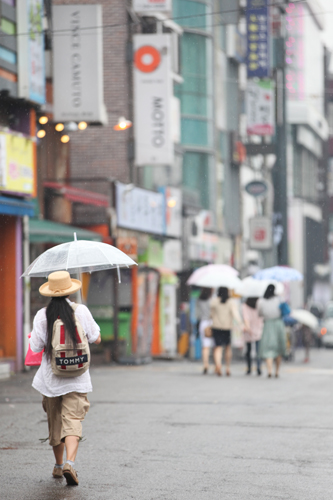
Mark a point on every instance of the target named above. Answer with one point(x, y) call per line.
point(218, 359)
point(277, 365)
point(228, 357)
point(72, 444)
point(205, 357)
point(269, 364)
point(59, 453)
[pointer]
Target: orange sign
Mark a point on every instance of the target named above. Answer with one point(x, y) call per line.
point(129, 246)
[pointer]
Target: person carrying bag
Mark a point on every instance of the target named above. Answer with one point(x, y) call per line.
point(64, 330)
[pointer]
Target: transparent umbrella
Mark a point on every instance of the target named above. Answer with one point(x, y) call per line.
point(211, 271)
point(78, 257)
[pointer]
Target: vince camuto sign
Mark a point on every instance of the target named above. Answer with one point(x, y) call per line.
point(78, 63)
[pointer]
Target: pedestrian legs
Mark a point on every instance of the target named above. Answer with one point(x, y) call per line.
point(277, 365)
point(205, 358)
point(218, 351)
point(59, 453)
point(228, 357)
point(269, 364)
point(248, 357)
point(257, 344)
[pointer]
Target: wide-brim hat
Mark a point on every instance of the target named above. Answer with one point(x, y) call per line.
point(60, 284)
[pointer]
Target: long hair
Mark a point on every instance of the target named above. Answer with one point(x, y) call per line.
point(270, 292)
point(223, 293)
point(59, 308)
point(251, 302)
point(205, 294)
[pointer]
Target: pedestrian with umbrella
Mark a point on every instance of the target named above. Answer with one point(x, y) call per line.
point(203, 313)
point(63, 330)
point(308, 323)
point(253, 327)
point(224, 312)
point(273, 340)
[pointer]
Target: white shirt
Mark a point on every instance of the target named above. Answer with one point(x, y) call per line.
point(45, 381)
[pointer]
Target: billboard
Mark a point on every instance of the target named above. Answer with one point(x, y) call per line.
point(153, 92)
point(260, 107)
point(257, 20)
point(147, 6)
point(260, 233)
point(139, 209)
point(78, 63)
point(31, 62)
point(16, 164)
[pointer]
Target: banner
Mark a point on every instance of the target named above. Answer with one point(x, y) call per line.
point(146, 6)
point(31, 62)
point(153, 91)
point(139, 209)
point(78, 63)
point(257, 19)
point(16, 164)
point(260, 107)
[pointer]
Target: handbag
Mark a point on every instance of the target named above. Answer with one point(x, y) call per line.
point(208, 331)
point(33, 358)
point(285, 309)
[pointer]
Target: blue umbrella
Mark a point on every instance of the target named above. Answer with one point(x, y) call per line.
point(279, 273)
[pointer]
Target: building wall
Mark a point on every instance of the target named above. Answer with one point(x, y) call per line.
point(101, 151)
point(8, 286)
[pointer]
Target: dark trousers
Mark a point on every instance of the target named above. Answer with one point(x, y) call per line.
point(248, 355)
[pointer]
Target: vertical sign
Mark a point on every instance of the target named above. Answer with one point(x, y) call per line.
point(31, 63)
point(260, 107)
point(260, 233)
point(153, 100)
point(295, 60)
point(257, 17)
point(78, 63)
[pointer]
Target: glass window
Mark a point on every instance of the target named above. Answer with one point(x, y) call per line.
point(196, 132)
point(191, 14)
point(8, 27)
point(196, 175)
point(7, 55)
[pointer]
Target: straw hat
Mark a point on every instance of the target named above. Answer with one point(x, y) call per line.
point(60, 284)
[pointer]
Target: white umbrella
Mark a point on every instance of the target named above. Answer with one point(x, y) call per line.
point(249, 287)
point(78, 257)
point(305, 317)
point(205, 272)
point(216, 280)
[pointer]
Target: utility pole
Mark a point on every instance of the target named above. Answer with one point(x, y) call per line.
point(280, 168)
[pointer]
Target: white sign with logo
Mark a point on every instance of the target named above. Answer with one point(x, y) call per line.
point(139, 209)
point(260, 233)
point(260, 107)
point(172, 255)
point(153, 91)
point(31, 62)
point(146, 6)
point(78, 63)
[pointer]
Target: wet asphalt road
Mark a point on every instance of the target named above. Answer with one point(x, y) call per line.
point(165, 432)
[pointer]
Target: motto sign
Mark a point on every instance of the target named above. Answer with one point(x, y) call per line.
point(152, 100)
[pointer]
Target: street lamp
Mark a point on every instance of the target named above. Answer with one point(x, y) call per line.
point(122, 124)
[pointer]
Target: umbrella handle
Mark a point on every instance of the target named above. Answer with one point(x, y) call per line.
point(118, 274)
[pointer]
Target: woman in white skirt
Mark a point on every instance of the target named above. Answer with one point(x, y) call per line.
point(203, 313)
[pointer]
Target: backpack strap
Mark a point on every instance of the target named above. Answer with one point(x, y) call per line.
point(74, 306)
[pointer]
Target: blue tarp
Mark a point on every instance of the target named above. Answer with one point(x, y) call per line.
point(16, 206)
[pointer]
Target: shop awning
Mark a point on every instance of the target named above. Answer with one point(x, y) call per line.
point(46, 231)
point(78, 195)
point(16, 206)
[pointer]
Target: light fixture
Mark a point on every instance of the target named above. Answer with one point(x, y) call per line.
point(83, 125)
point(41, 134)
point(43, 120)
point(64, 138)
point(122, 124)
point(59, 127)
point(172, 202)
point(71, 126)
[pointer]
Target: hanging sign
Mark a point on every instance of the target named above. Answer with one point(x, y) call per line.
point(256, 188)
point(260, 233)
point(153, 93)
point(260, 105)
point(257, 20)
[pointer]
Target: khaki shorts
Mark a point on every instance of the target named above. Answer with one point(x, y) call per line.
point(64, 415)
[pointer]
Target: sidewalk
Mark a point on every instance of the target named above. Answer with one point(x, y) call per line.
point(165, 432)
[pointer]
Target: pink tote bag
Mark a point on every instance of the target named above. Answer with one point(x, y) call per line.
point(33, 358)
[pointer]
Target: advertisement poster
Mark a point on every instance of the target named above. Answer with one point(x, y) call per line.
point(257, 20)
point(260, 107)
point(36, 51)
point(260, 233)
point(168, 317)
point(16, 164)
point(153, 91)
point(147, 290)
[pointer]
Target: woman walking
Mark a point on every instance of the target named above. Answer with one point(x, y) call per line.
point(203, 313)
point(223, 311)
point(273, 340)
point(253, 326)
point(61, 324)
